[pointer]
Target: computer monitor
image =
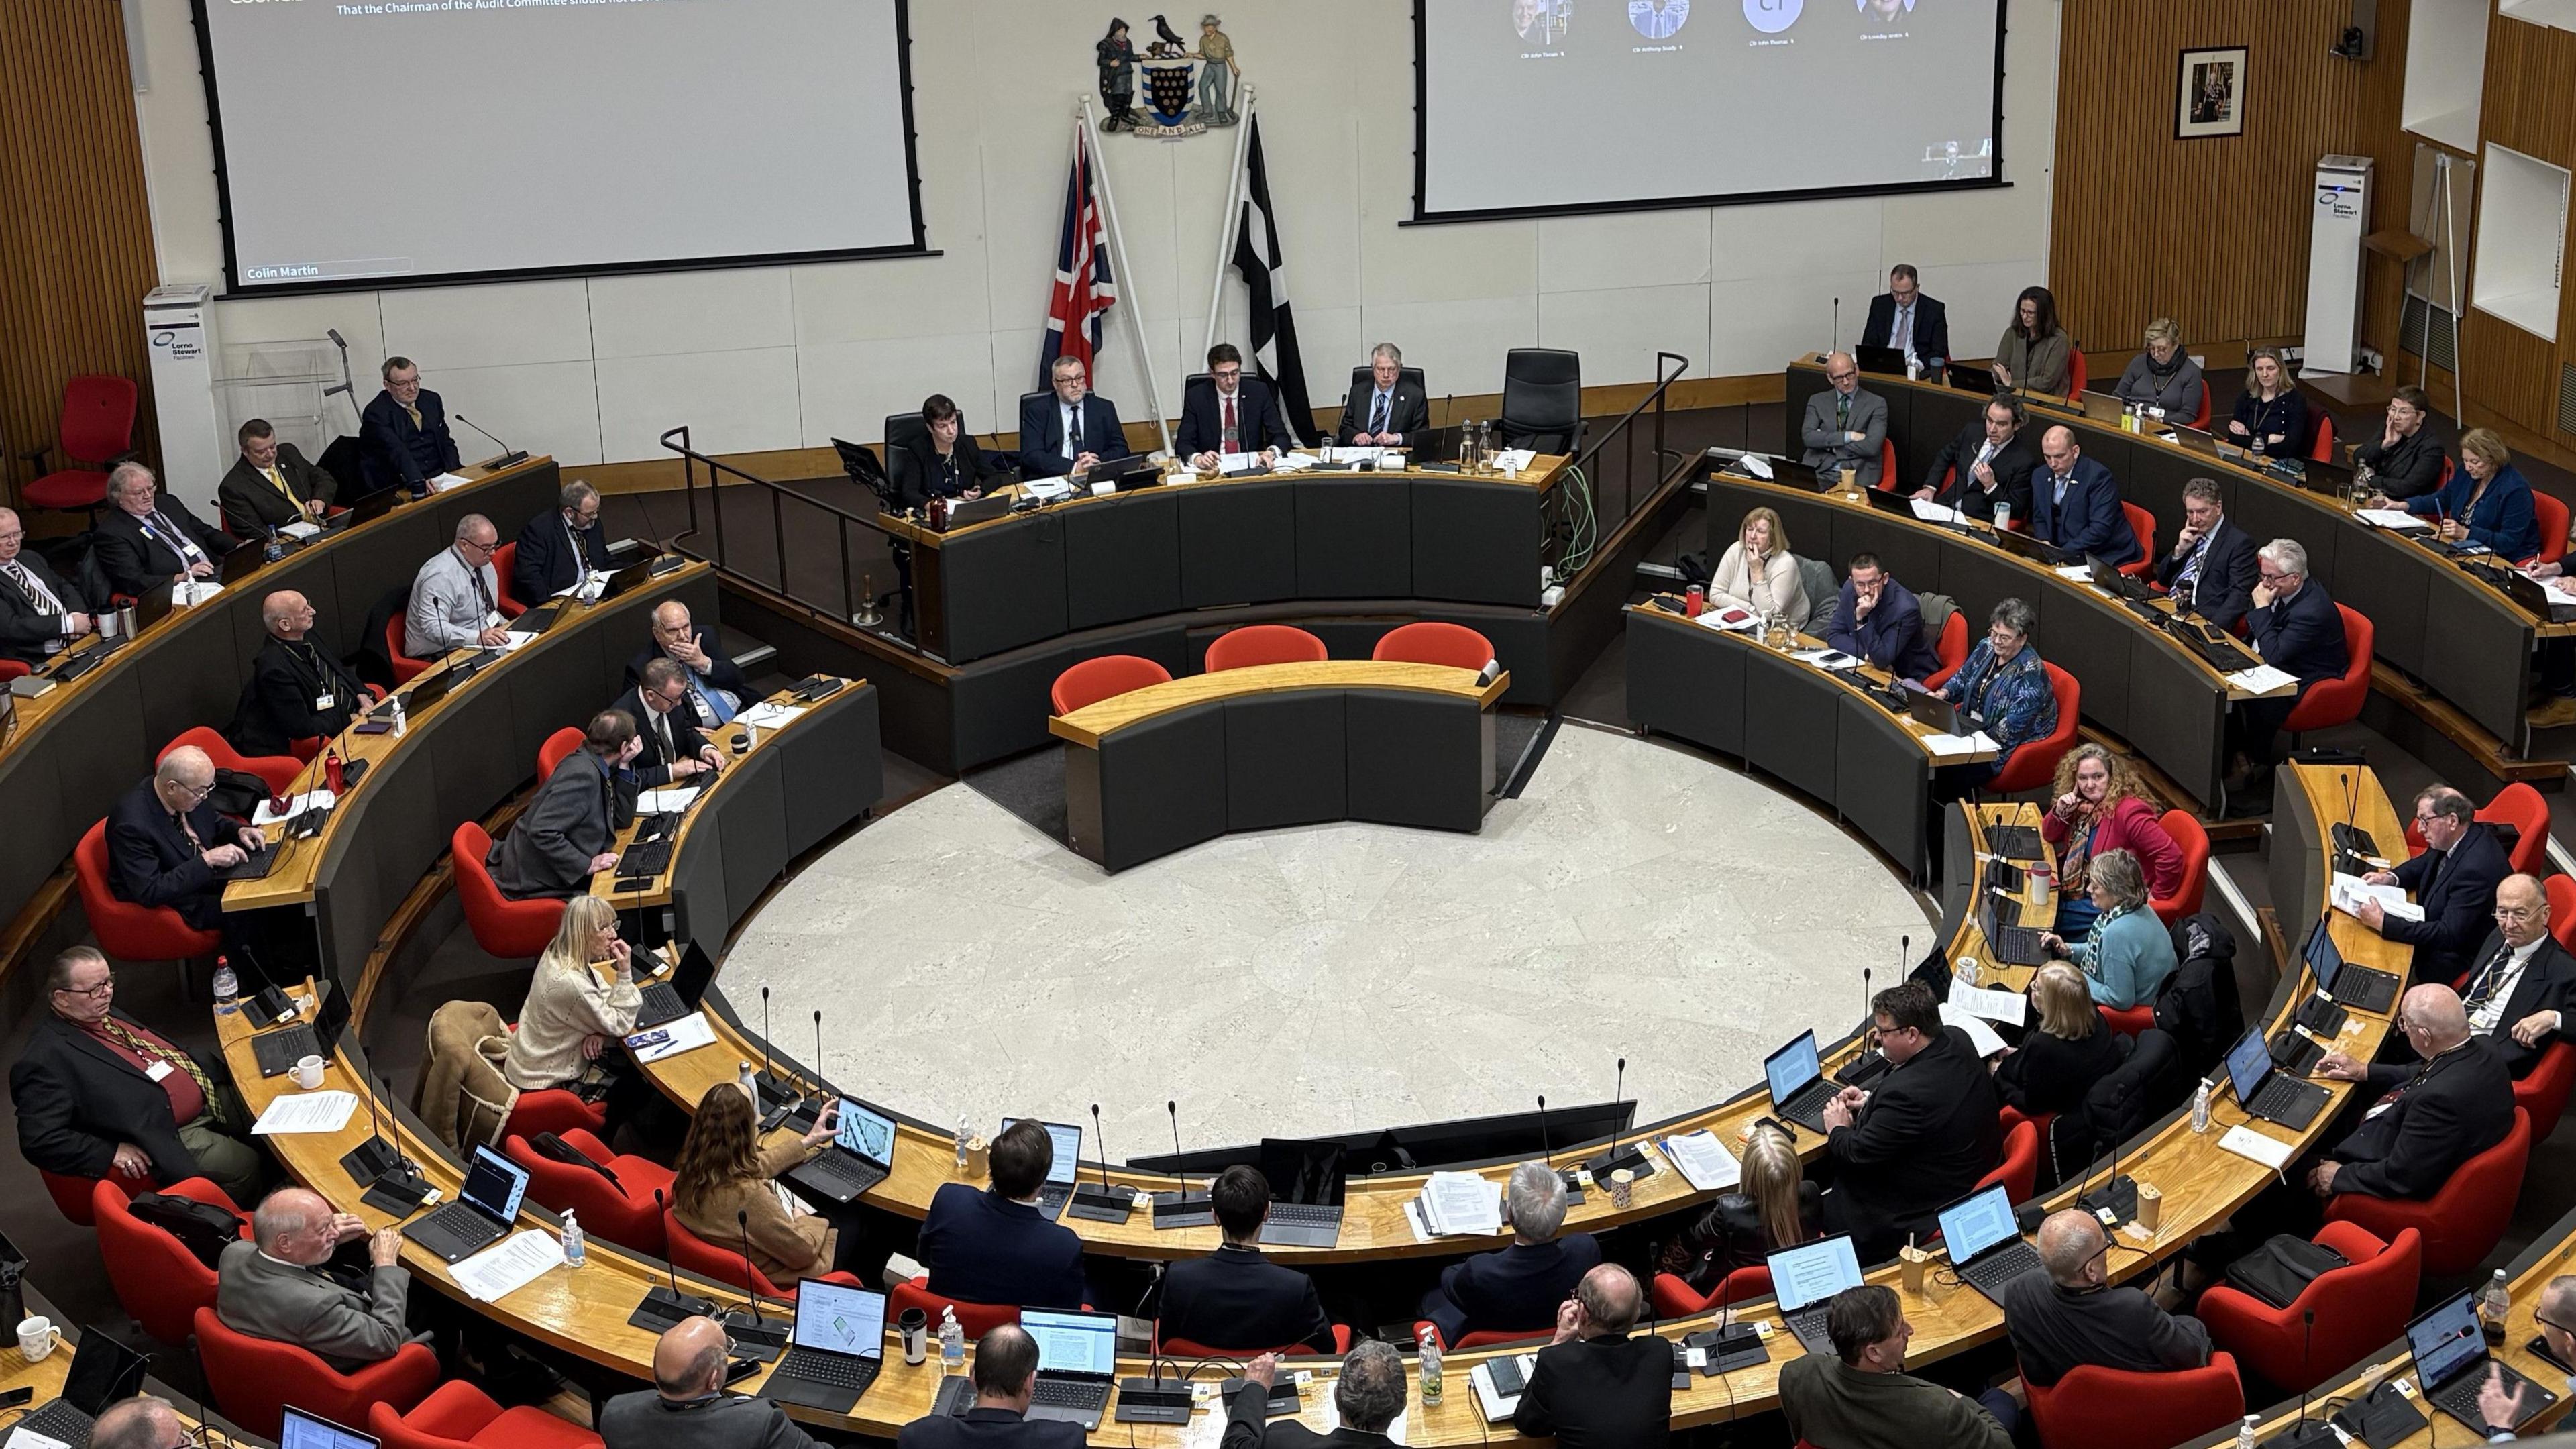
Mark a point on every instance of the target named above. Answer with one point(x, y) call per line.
point(1813, 1272)
point(306, 1431)
point(1792, 1067)
point(1068, 1148)
point(1071, 1343)
point(868, 1133)
point(1978, 1222)
point(840, 1319)
point(2248, 1062)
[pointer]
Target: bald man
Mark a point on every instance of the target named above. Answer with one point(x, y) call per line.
point(688, 1408)
point(267, 1287)
point(40, 611)
point(2070, 1315)
point(2075, 503)
point(1845, 424)
point(1005, 1376)
point(2428, 1117)
point(1595, 1386)
point(166, 846)
point(717, 690)
point(141, 1422)
point(2520, 984)
point(297, 689)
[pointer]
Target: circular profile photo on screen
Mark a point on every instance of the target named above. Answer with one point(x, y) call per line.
point(1877, 16)
point(1540, 22)
point(1771, 16)
point(1658, 19)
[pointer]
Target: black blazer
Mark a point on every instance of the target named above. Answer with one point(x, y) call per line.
point(251, 506)
point(988, 1429)
point(1237, 1299)
point(2410, 470)
point(1510, 1289)
point(277, 701)
point(545, 562)
point(77, 1100)
point(2011, 464)
point(2548, 983)
point(2223, 591)
point(394, 453)
point(920, 474)
point(1407, 414)
point(653, 768)
point(645, 1420)
point(1042, 433)
point(1926, 1135)
point(985, 1248)
point(150, 863)
point(137, 562)
point(2457, 889)
point(23, 631)
point(2052, 1074)
point(1256, 419)
point(1732, 1235)
point(1600, 1393)
point(2441, 1113)
point(1931, 328)
point(2302, 634)
point(722, 672)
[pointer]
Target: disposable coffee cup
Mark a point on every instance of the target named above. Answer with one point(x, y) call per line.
point(1623, 1187)
point(914, 1325)
point(1910, 1264)
point(307, 1072)
point(35, 1337)
point(2151, 1206)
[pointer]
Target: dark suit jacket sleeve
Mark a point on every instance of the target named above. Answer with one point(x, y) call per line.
point(1041, 438)
point(136, 864)
point(121, 556)
point(722, 672)
point(234, 503)
point(2419, 1157)
point(2468, 906)
point(1874, 333)
point(433, 421)
point(1948, 458)
point(50, 1133)
point(1110, 439)
point(534, 559)
point(1891, 630)
point(1536, 1415)
point(1199, 431)
point(2104, 529)
point(1411, 414)
point(1245, 1415)
point(1843, 632)
point(2228, 593)
point(1931, 329)
point(1890, 1127)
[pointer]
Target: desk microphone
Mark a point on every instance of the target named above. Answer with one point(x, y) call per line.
point(1632, 1156)
point(2109, 1196)
point(768, 1082)
point(1182, 1208)
point(821, 1077)
point(1099, 1203)
point(667, 1301)
point(509, 455)
point(1573, 1186)
point(756, 1334)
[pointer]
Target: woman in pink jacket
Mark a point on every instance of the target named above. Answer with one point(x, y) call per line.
point(2100, 805)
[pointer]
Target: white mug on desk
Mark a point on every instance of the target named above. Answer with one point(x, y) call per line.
point(35, 1338)
point(307, 1072)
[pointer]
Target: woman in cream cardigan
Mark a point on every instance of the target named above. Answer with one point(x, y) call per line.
point(1757, 572)
point(723, 1188)
point(583, 997)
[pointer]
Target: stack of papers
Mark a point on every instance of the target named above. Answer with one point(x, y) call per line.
point(2009, 1007)
point(2351, 890)
point(301, 528)
point(767, 716)
point(1452, 1203)
point(445, 481)
point(1931, 512)
point(508, 1265)
point(1294, 462)
point(1704, 1161)
point(665, 801)
point(2262, 679)
point(2248, 1143)
point(1826, 658)
point(316, 799)
point(301, 1112)
point(1512, 460)
point(193, 593)
point(1968, 744)
point(2075, 573)
point(686, 1034)
point(598, 579)
point(1987, 1043)
point(2389, 518)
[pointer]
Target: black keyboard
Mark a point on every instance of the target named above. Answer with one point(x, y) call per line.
point(838, 1370)
point(662, 1003)
point(2016, 945)
point(1070, 1393)
point(1989, 1274)
point(255, 865)
point(2295, 1054)
point(57, 1420)
point(1307, 1214)
point(278, 1051)
point(1806, 1106)
point(2143, 610)
point(645, 860)
point(1809, 1326)
point(2223, 657)
point(2014, 842)
point(2367, 989)
point(454, 1231)
point(843, 1173)
point(2288, 1101)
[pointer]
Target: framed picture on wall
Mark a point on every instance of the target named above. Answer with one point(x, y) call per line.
point(2210, 94)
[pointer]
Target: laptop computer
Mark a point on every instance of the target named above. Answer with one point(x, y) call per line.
point(1077, 1364)
point(102, 1372)
point(861, 1155)
point(1799, 1090)
point(1806, 1278)
point(2022, 545)
point(2355, 986)
point(668, 1001)
point(481, 1215)
point(1972, 377)
point(963, 511)
point(1985, 1243)
point(626, 579)
point(1058, 1188)
point(1882, 360)
point(2108, 578)
point(1934, 710)
point(1306, 1182)
point(311, 1431)
point(1136, 470)
point(2010, 943)
point(279, 1050)
point(244, 560)
point(2267, 1093)
point(840, 1348)
point(2452, 1361)
point(2534, 597)
point(367, 508)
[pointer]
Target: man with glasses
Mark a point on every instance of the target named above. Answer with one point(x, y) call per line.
point(404, 434)
point(2071, 1316)
point(146, 540)
point(101, 1097)
point(2420, 1120)
point(2556, 1316)
point(555, 549)
point(40, 613)
point(165, 843)
point(717, 688)
point(1063, 432)
point(1920, 1137)
point(664, 720)
point(1237, 414)
point(455, 598)
point(271, 486)
point(2518, 991)
point(1845, 424)
point(2299, 631)
point(2455, 881)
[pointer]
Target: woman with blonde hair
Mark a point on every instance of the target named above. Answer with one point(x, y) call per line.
point(2271, 416)
point(2487, 501)
point(582, 997)
point(2164, 377)
point(2127, 955)
point(1757, 572)
point(723, 1187)
point(2068, 1051)
point(2099, 804)
point(1772, 1208)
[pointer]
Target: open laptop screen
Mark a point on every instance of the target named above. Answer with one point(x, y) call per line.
point(1980, 1222)
point(303, 1431)
point(2445, 1340)
point(1813, 1272)
point(495, 1184)
point(2247, 1063)
point(1074, 1343)
point(840, 1319)
point(2323, 957)
point(869, 1134)
point(1792, 1067)
point(1068, 1148)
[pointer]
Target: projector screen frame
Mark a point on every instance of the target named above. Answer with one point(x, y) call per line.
point(1994, 179)
point(233, 290)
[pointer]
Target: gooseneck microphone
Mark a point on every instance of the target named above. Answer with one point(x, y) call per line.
point(769, 1084)
point(1099, 1202)
point(1630, 1156)
point(1182, 1208)
point(664, 1304)
point(753, 1337)
point(509, 455)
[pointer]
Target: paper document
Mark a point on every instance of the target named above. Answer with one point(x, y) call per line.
point(30, 1439)
point(316, 799)
point(2076, 573)
point(1237, 462)
point(2269, 1151)
point(1461, 1202)
point(597, 578)
point(2349, 891)
point(302, 529)
point(508, 1265)
point(1946, 745)
point(688, 1033)
point(1731, 620)
point(194, 592)
point(2389, 518)
point(767, 716)
point(1931, 512)
point(2262, 679)
point(1987, 1043)
point(1512, 460)
point(2009, 1007)
point(1704, 1161)
point(515, 640)
point(445, 481)
point(1295, 462)
point(1497, 1406)
point(298, 1112)
point(665, 801)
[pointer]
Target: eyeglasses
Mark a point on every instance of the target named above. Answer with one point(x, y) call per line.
point(2514, 913)
point(485, 549)
point(197, 792)
point(1841, 376)
point(1227, 375)
point(13, 537)
point(100, 992)
point(2551, 1323)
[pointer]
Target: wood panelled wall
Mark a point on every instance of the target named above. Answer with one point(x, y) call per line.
point(2214, 232)
point(76, 250)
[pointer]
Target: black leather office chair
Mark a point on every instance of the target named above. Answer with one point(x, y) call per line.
point(903, 432)
point(1364, 382)
point(1543, 400)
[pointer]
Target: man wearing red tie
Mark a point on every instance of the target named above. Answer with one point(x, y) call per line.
point(1238, 414)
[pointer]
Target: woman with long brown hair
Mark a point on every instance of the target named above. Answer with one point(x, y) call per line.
point(724, 1170)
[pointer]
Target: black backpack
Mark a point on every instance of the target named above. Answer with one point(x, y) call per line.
point(2280, 1270)
point(2197, 1006)
point(204, 1229)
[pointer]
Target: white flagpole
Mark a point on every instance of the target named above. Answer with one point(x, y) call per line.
point(1127, 285)
point(1237, 181)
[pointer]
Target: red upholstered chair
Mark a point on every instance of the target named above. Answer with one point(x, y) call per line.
point(2562, 913)
point(74, 1195)
point(14, 668)
point(1951, 647)
point(160, 1282)
point(1430, 642)
point(2200, 420)
point(977, 1319)
point(2019, 1171)
point(255, 1378)
point(1106, 677)
point(2075, 374)
point(2322, 450)
point(2551, 515)
point(2128, 1021)
point(1190, 1348)
point(2099, 1408)
point(2331, 702)
point(1481, 1338)
point(2357, 1309)
point(557, 1111)
point(1676, 1298)
point(95, 433)
point(2527, 811)
point(276, 771)
point(1264, 644)
point(2463, 1220)
point(505, 558)
point(2034, 765)
point(125, 931)
point(406, 668)
point(622, 1212)
point(2543, 1094)
point(2187, 833)
point(511, 930)
point(1887, 479)
point(460, 1416)
point(2143, 525)
point(557, 749)
point(725, 1265)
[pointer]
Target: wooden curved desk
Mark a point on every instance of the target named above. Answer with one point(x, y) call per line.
point(1167, 766)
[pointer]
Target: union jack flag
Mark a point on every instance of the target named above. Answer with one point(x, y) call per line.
point(1084, 289)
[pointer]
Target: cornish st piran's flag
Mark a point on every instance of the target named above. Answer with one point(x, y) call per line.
point(1265, 275)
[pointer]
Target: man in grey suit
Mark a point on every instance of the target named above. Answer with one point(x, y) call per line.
point(687, 1407)
point(1844, 425)
point(455, 598)
point(562, 839)
point(267, 1288)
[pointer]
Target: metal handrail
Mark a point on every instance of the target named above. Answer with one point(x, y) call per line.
point(779, 495)
point(1580, 467)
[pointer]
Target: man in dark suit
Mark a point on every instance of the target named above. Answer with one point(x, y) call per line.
point(1903, 318)
point(2075, 503)
point(2518, 991)
point(1920, 1138)
point(2071, 1317)
point(2298, 630)
point(2211, 571)
point(146, 540)
point(2455, 881)
point(555, 548)
point(403, 433)
point(688, 1408)
point(564, 836)
point(270, 485)
point(99, 1096)
point(1594, 1387)
point(717, 689)
point(40, 612)
point(165, 843)
point(1233, 403)
point(993, 1245)
point(1235, 1299)
point(1515, 1289)
point(1005, 1379)
point(1879, 619)
point(673, 749)
point(1988, 465)
point(1368, 1398)
point(1392, 409)
point(1069, 429)
point(297, 690)
point(2431, 1116)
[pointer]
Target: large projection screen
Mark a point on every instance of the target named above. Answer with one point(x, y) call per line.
point(377, 143)
point(1527, 107)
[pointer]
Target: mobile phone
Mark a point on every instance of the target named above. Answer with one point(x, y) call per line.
point(740, 1369)
point(374, 727)
point(12, 1398)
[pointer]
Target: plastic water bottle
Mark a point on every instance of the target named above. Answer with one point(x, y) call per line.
point(2245, 1431)
point(276, 547)
point(401, 726)
point(1430, 1368)
point(227, 988)
point(575, 1251)
point(952, 1343)
point(2200, 1106)
point(961, 1147)
point(2495, 1303)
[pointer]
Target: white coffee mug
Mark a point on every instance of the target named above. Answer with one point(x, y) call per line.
point(2003, 517)
point(307, 1072)
point(35, 1337)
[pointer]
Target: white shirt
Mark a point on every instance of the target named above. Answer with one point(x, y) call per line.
point(2499, 991)
point(25, 578)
